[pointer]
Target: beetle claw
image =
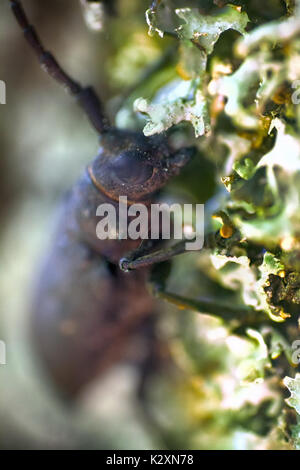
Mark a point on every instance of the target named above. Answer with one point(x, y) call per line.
point(124, 265)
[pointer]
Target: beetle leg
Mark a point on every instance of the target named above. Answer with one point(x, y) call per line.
point(87, 97)
point(239, 315)
point(138, 260)
point(145, 249)
point(148, 259)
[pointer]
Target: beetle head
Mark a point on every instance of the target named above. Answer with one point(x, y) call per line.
point(130, 164)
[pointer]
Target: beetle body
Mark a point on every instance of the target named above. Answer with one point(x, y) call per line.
point(86, 308)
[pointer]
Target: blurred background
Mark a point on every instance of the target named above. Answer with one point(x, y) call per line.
point(45, 143)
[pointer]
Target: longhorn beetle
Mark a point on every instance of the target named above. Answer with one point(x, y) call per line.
point(90, 298)
point(86, 307)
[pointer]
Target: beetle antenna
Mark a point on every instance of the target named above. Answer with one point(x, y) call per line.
point(86, 96)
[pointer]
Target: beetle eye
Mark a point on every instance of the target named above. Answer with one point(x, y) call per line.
point(131, 169)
